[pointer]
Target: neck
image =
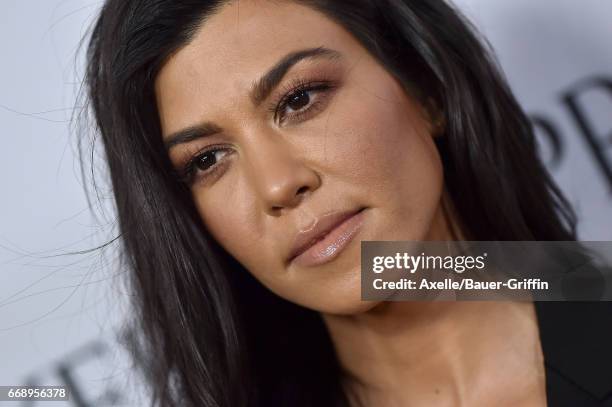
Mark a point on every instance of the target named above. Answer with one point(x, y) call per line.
point(432, 353)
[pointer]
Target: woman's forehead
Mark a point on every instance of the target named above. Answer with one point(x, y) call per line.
point(238, 44)
point(249, 35)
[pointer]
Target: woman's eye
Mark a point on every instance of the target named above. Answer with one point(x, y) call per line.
point(298, 100)
point(203, 165)
point(207, 159)
point(301, 102)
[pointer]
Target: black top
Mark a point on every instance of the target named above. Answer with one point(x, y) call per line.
point(576, 341)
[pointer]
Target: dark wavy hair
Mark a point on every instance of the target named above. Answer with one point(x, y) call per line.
point(205, 332)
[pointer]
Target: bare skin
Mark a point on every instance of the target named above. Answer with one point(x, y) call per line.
point(442, 354)
point(355, 140)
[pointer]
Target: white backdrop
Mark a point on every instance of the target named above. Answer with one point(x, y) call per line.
point(59, 314)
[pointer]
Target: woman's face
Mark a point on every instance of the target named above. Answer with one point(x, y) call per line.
point(289, 127)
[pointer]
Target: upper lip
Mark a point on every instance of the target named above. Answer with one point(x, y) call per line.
point(322, 226)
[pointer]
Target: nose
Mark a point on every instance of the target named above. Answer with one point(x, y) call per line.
point(281, 178)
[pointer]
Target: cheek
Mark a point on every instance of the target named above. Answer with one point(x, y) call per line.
point(229, 213)
point(235, 229)
point(237, 232)
point(390, 156)
point(387, 156)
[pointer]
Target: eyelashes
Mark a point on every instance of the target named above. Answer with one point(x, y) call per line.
point(299, 101)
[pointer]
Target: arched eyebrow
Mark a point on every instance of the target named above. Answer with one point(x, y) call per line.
point(260, 90)
point(191, 133)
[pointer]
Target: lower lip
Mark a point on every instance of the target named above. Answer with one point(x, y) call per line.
point(326, 249)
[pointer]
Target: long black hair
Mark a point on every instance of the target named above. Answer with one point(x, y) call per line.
point(205, 332)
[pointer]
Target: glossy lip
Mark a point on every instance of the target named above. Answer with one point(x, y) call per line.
point(326, 239)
